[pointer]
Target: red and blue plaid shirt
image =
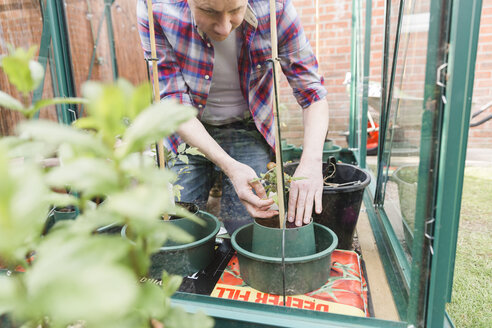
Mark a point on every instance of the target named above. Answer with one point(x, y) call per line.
point(186, 56)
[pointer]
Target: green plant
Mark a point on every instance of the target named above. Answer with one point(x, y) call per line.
point(269, 181)
point(171, 157)
point(26, 75)
point(78, 276)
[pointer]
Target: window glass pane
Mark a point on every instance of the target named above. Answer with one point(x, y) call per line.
point(405, 122)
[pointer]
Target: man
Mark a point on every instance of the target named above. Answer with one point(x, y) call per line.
point(213, 55)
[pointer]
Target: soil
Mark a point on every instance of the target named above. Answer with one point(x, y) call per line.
point(190, 207)
point(273, 222)
point(66, 209)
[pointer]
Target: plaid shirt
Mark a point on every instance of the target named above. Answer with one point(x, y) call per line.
point(186, 55)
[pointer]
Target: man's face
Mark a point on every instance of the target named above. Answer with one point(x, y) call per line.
point(218, 18)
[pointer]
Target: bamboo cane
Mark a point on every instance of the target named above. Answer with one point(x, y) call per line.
point(276, 126)
point(155, 75)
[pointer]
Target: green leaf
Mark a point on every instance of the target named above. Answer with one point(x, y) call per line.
point(170, 283)
point(61, 200)
point(194, 151)
point(84, 279)
point(24, 73)
point(37, 73)
point(183, 158)
point(108, 107)
point(56, 134)
point(177, 191)
point(91, 176)
point(176, 318)
point(10, 102)
point(154, 123)
point(9, 294)
point(181, 147)
point(141, 99)
point(151, 303)
point(54, 101)
point(140, 203)
point(23, 208)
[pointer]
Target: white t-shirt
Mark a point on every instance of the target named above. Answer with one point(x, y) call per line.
point(225, 102)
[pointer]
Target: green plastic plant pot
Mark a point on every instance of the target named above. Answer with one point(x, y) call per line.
point(296, 153)
point(287, 152)
point(328, 145)
point(333, 151)
point(185, 259)
point(59, 214)
point(302, 274)
point(65, 213)
point(267, 241)
point(406, 178)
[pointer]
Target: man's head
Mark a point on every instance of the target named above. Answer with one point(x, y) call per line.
point(218, 18)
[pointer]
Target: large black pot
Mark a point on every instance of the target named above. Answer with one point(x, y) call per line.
point(341, 204)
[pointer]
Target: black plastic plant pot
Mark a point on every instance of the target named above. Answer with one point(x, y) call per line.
point(302, 274)
point(341, 204)
point(186, 258)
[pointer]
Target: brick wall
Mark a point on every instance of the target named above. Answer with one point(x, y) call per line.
point(20, 24)
point(335, 38)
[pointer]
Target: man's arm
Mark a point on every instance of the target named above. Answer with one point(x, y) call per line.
point(241, 175)
point(310, 189)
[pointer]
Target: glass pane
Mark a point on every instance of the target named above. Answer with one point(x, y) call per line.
point(405, 122)
point(90, 41)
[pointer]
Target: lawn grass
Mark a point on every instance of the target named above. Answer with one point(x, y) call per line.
point(471, 304)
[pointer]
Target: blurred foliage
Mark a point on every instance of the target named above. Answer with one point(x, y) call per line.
point(77, 276)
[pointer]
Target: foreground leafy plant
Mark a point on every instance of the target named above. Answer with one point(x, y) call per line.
point(26, 75)
point(77, 275)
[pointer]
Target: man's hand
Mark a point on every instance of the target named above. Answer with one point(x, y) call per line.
point(257, 203)
point(304, 192)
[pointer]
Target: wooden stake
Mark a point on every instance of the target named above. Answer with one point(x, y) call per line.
point(278, 151)
point(155, 75)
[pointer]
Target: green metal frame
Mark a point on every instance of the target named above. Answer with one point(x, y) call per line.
point(109, 26)
point(461, 71)
point(63, 81)
point(353, 76)
point(229, 314)
point(420, 300)
point(365, 87)
point(44, 53)
point(428, 167)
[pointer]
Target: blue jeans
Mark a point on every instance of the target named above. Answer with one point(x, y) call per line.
point(244, 143)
